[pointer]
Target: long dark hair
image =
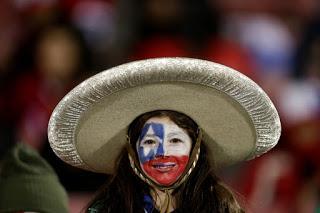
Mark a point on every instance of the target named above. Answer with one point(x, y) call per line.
point(201, 192)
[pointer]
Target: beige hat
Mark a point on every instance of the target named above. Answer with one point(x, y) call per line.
point(88, 127)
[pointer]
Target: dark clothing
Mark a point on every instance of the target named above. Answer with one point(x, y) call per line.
point(148, 207)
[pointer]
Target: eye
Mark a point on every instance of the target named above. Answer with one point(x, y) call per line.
point(175, 140)
point(149, 142)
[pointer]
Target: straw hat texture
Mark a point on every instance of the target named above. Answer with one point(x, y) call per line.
point(88, 127)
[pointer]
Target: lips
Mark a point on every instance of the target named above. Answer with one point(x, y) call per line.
point(164, 167)
point(164, 164)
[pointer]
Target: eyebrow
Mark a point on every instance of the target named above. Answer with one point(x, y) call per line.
point(176, 133)
point(150, 135)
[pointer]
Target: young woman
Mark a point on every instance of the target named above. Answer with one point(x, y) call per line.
point(162, 143)
point(161, 127)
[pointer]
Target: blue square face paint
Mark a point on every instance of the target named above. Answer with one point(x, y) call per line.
point(154, 131)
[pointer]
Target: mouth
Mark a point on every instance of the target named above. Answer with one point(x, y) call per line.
point(164, 167)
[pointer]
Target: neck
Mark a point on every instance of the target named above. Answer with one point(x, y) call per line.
point(159, 198)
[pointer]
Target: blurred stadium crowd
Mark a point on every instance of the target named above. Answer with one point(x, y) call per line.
point(48, 46)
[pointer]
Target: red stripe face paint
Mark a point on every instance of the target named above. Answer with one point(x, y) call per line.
point(163, 149)
point(166, 170)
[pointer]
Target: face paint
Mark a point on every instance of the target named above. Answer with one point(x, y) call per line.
point(163, 150)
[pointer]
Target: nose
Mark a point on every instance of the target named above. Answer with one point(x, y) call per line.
point(160, 150)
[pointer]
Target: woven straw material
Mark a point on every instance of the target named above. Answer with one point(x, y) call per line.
point(88, 127)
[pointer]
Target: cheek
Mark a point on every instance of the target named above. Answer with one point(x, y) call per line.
point(145, 153)
point(178, 150)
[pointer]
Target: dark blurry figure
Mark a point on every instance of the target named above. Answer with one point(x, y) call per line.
point(299, 98)
point(181, 29)
point(10, 38)
point(295, 165)
point(57, 61)
point(308, 54)
point(28, 183)
point(60, 60)
point(158, 29)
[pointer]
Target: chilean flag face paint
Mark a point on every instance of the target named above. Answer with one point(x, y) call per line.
point(163, 150)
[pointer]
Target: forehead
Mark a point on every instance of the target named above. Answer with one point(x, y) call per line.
point(162, 120)
point(167, 124)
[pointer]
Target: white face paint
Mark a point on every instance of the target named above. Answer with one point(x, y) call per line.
point(163, 149)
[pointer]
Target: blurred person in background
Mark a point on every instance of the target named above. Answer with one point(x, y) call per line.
point(303, 115)
point(50, 58)
point(57, 62)
point(96, 20)
point(299, 99)
point(289, 173)
point(177, 29)
point(158, 29)
point(11, 34)
point(29, 184)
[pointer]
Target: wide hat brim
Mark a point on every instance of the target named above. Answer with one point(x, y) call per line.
point(88, 128)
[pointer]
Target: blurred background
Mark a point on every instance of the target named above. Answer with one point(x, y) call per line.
point(49, 46)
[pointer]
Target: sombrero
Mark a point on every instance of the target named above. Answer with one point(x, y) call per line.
point(88, 127)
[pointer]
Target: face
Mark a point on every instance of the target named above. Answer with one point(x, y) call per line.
point(163, 149)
